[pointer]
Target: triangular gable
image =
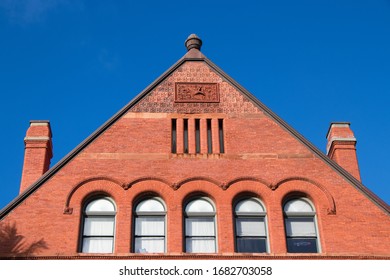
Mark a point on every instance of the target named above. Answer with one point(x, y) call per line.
point(194, 55)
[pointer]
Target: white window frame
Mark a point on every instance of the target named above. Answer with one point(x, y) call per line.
point(251, 215)
point(98, 214)
point(150, 214)
point(298, 214)
point(200, 215)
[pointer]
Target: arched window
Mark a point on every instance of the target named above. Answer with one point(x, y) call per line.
point(200, 226)
point(149, 232)
point(250, 224)
point(300, 224)
point(98, 226)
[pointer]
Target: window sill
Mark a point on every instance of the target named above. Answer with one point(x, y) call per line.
point(197, 156)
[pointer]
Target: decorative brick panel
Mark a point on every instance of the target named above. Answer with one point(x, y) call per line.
point(197, 93)
point(162, 98)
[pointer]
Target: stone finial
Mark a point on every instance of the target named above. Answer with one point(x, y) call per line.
point(193, 42)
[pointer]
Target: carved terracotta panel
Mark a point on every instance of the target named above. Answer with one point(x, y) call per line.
point(197, 92)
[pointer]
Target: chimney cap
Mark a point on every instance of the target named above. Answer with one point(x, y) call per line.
point(39, 122)
point(337, 124)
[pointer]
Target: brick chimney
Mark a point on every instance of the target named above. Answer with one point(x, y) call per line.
point(37, 154)
point(341, 147)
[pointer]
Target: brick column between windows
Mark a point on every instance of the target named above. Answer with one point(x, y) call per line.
point(175, 234)
point(276, 230)
point(215, 136)
point(123, 233)
point(225, 226)
point(191, 136)
point(203, 136)
point(179, 136)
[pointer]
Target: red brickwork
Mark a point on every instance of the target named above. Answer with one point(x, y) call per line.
point(38, 152)
point(162, 98)
point(342, 147)
point(133, 159)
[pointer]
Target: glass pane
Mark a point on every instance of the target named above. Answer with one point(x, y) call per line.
point(100, 205)
point(199, 205)
point(174, 148)
point(251, 245)
point(97, 244)
point(250, 227)
point(209, 137)
point(200, 245)
point(99, 226)
point(249, 206)
point(149, 245)
point(298, 205)
point(185, 135)
point(150, 205)
point(150, 226)
point(197, 136)
point(200, 226)
point(300, 226)
point(302, 245)
point(221, 141)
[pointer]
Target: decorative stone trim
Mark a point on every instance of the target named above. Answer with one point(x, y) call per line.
point(68, 211)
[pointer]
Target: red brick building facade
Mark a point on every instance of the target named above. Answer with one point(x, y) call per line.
point(194, 167)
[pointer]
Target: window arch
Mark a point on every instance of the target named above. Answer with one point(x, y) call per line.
point(149, 226)
point(300, 225)
point(200, 226)
point(98, 226)
point(250, 226)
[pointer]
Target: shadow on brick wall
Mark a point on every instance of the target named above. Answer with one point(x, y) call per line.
point(13, 244)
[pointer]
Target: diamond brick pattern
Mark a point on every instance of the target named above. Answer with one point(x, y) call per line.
point(162, 98)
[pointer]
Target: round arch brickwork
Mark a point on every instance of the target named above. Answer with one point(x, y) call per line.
point(85, 188)
point(314, 190)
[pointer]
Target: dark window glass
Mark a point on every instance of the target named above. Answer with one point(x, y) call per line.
point(251, 245)
point(301, 245)
point(209, 137)
point(221, 137)
point(197, 136)
point(185, 136)
point(174, 136)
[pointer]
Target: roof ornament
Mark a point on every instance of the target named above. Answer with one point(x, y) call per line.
point(193, 42)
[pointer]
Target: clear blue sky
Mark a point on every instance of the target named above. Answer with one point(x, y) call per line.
point(77, 62)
